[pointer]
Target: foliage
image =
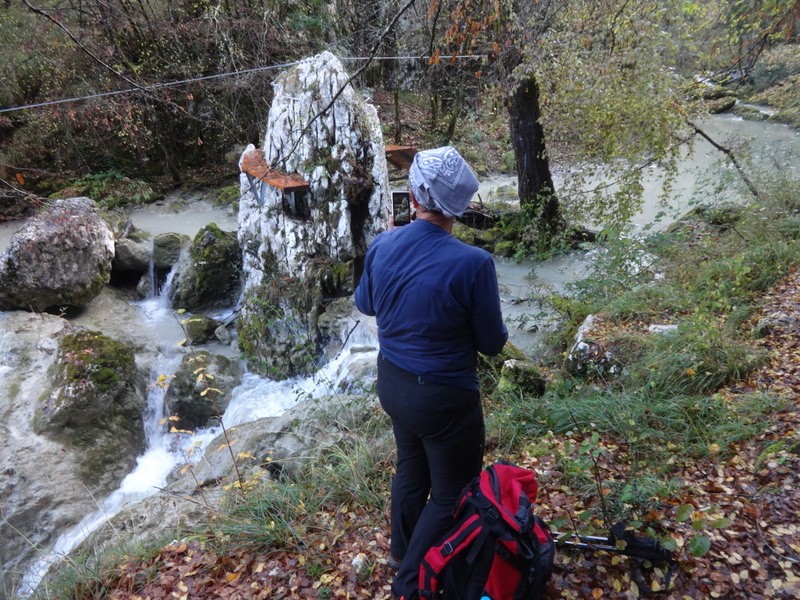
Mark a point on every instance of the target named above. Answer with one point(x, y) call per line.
point(776, 65)
point(164, 132)
point(741, 30)
point(110, 189)
point(86, 574)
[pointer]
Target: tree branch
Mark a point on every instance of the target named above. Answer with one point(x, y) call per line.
point(727, 152)
point(78, 43)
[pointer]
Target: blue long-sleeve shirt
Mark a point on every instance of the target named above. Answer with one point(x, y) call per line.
point(435, 300)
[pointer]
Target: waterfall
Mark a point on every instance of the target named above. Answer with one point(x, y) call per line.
point(5, 353)
point(148, 476)
point(152, 279)
point(256, 397)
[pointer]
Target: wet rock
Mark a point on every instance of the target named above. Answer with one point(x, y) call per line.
point(336, 323)
point(167, 248)
point(721, 105)
point(200, 389)
point(209, 276)
point(276, 447)
point(61, 257)
point(95, 404)
point(131, 255)
point(131, 265)
point(43, 490)
point(302, 250)
point(751, 113)
point(199, 329)
point(223, 335)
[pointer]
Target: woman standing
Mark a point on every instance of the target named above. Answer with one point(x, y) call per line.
point(437, 305)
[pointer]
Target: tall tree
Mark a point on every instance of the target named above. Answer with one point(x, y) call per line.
point(593, 76)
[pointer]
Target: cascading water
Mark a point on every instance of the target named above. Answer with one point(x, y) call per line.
point(5, 353)
point(255, 398)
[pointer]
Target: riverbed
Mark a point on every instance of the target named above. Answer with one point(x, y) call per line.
point(519, 281)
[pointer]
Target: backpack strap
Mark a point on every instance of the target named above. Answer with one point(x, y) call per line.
point(437, 557)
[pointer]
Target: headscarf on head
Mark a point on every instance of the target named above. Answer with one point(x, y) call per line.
point(442, 180)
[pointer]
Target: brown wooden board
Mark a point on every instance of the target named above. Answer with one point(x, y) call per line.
point(253, 163)
point(400, 156)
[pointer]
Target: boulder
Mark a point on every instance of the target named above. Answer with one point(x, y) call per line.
point(302, 250)
point(200, 329)
point(61, 257)
point(223, 335)
point(209, 275)
point(167, 248)
point(721, 105)
point(131, 255)
point(275, 446)
point(95, 404)
point(589, 354)
point(200, 389)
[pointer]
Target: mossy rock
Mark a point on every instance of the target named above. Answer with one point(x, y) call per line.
point(521, 376)
point(751, 113)
point(721, 105)
point(466, 234)
point(95, 403)
point(277, 340)
point(488, 238)
point(714, 92)
point(200, 389)
point(491, 365)
point(167, 248)
point(211, 278)
point(199, 329)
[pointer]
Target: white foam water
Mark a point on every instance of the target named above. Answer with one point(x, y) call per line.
point(256, 397)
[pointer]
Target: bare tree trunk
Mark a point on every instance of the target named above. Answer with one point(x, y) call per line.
point(398, 123)
point(535, 183)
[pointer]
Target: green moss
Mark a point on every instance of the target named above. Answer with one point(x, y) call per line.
point(89, 357)
point(213, 276)
point(13, 391)
point(466, 234)
point(228, 196)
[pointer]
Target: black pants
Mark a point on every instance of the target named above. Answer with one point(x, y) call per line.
point(439, 432)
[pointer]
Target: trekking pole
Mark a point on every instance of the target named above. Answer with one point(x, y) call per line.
point(628, 544)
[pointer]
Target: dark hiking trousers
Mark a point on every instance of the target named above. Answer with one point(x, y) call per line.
point(439, 432)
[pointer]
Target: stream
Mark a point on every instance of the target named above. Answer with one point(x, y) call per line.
point(258, 397)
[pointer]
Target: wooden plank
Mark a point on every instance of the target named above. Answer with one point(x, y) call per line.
point(400, 156)
point(253, 163)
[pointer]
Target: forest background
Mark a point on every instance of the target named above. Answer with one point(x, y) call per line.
point(610, 85)
point(519, 87)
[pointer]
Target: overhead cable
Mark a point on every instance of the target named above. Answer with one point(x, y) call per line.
point(168, 84)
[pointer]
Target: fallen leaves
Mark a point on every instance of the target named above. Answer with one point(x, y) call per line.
point(734, 522)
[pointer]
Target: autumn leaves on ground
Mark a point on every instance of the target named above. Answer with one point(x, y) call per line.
point(693, 439)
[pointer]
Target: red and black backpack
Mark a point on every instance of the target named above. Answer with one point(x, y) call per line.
point(498, 548)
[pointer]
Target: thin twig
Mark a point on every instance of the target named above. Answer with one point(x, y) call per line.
point(350, 79)
point(72, 36)
point(727, 152)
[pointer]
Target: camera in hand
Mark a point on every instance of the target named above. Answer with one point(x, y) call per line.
point(401, 208)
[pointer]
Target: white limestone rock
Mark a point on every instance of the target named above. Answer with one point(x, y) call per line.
point(295, 264)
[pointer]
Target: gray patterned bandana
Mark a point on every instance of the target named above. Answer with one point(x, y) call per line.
point(442, 180)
